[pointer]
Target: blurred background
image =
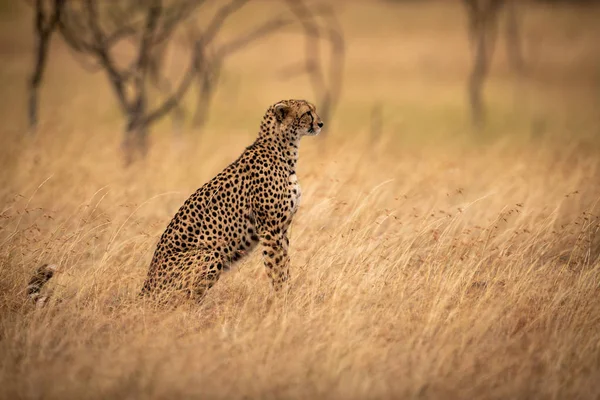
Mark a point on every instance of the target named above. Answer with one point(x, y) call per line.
point(155, 74)
point(448, 241)
point(126, 107)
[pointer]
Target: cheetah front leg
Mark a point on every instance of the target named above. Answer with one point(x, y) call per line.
point(275, 245)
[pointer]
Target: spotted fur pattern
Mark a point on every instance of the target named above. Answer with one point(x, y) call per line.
point(251, 202)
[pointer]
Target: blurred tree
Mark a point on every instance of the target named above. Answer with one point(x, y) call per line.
point(483, 17)
point(482, 24)
point(45, 19)
point(93, 29)
point(514, 48)
point(326, 85)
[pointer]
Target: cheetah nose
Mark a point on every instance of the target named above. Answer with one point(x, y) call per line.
point(320, 124)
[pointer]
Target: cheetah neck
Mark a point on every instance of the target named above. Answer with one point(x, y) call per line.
point(284, 143)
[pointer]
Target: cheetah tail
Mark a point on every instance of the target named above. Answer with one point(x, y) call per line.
point(41, 276)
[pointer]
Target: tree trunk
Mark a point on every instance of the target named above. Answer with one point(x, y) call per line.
point(208, 79)
point(513, 39)
point(43, 40)
point(483, 20)
point(476, 80)
point(135, 141)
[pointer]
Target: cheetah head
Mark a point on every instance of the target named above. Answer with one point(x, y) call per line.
point(299, 116)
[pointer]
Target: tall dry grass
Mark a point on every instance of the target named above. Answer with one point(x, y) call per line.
point(429, 264)
point(469, 273)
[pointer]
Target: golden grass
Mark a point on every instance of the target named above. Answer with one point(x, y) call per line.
point(426, 264)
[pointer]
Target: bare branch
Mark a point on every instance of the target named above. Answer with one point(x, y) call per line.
point(154, 12)
point(73, 30)
point(219, 19)
point(181, 90)
point(312, 46)
point(43, 30)
point(245, 39)
point(92, 31)
point(173, 16)
point(327, 85)
point(336, 67)
point(102, 52)
point(313, 63)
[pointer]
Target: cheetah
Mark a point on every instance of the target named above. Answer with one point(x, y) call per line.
point(251, 201)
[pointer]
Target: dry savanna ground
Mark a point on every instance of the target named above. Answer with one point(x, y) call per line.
point(430, 262)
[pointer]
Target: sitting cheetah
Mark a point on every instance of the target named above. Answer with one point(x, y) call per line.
point(252, 200)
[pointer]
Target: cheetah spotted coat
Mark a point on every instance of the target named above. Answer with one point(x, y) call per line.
point(252, 201)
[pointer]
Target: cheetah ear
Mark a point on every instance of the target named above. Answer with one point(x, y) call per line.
point(281, 111)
